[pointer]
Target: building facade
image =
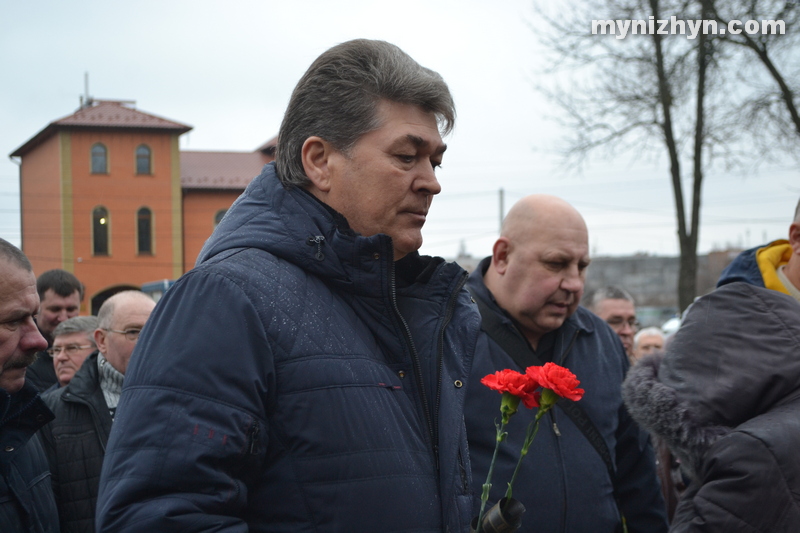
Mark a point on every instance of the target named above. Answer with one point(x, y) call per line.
point(106, 194)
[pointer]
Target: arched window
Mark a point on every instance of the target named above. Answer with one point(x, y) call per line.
point(100, 224)
point(143, 159)
point(144, 231)
point(99, 159)
point(218, 216)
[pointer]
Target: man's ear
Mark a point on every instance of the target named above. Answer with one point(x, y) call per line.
point(794, 237)
point(316, 156)
point(100, 340)
point(500, 251)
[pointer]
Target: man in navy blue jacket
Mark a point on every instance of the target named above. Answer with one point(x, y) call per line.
point(308, 374)
point(532, 285)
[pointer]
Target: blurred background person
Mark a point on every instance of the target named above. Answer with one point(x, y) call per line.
point(615, 305)
point(60, 295)
point(73, 342)
point(75, 441)
point(646, 341)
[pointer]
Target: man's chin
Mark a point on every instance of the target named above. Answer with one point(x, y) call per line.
point(12, 379)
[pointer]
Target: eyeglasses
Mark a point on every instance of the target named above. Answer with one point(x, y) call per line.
point(69, 349)
point(617, 322)
point(130, 334)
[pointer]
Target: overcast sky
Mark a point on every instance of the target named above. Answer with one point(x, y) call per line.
point(228, 68)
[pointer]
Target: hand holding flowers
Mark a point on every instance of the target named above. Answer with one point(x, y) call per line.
point(539, 386)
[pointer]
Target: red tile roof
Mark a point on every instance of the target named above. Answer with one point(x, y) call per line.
point(104, 114)
point(219, 170)
point(116, 114)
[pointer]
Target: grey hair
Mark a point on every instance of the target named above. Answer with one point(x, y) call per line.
point(797, 212)
point(14, 255)
point(652, 331)
point(338, 96)
point(610, 292)
point(105, 315)
point(78, 324)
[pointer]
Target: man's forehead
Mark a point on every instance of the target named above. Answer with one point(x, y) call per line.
point(50, 296)
point(616, 306)
point(75, 336)
point(16, 285)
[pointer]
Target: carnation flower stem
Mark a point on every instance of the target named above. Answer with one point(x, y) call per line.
point(533, 429)
point(501, 434)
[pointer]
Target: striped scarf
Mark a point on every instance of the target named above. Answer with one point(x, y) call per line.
point(110, 382)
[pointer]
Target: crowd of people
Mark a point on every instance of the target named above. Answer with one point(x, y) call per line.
point(314, 372)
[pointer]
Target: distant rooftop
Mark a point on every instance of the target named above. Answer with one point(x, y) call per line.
point(118, 113)
point(103, 114)
point(219, 170)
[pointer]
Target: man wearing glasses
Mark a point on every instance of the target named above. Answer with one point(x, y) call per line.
point(615, 305)
point(73, 342)
point(75, 441)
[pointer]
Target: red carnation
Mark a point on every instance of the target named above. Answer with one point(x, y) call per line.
point(523, 386)
point(558, 379)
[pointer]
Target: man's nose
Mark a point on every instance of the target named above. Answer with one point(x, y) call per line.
point(572, 281)
point(427, 181)
point(31, 338)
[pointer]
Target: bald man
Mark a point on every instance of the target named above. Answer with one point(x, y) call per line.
point(774, 266)
point(75, 442)
point(529, 291)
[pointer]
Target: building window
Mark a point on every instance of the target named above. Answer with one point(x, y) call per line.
point(99, 159)
point(100, 223)
point(144, 231)
point(143, 160)
point(218, 216)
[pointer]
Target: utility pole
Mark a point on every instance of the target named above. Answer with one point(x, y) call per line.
point(502, 208)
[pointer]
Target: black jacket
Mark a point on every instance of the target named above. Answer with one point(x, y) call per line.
point(726, 399)
point(563, 482)
point(75, 444)
point(26, 496)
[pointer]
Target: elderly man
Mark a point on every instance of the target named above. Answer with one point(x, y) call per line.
point(76, 440)
point(60, 294)
point(587, 468)
point(73, 342)
point(774, 266)
point(647, 341)
point(26, 496)
point(616, 306)
point(308, 373)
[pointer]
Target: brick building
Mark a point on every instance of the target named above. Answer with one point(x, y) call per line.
point(106, 193)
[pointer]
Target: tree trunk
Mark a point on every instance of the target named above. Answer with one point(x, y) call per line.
point(687, 275)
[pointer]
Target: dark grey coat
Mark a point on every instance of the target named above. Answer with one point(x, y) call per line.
point(726, 399)
point(75, 443)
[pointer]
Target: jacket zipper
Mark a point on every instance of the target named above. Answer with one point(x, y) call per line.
point(416, 364)
point(448, 314)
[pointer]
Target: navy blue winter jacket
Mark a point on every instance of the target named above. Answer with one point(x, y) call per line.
point(743, 268)
point(563, 482)
point(296, 380)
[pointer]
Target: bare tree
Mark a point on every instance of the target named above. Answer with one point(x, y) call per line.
point(656, 93)
point(772, 107)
